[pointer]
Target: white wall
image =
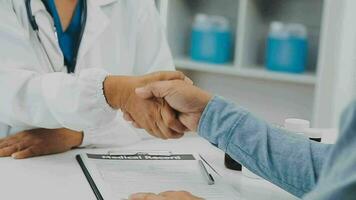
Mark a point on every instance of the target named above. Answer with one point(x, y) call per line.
point(338, 75)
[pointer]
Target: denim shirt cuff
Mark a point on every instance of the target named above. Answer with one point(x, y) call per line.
point(202, 122)
point(212, 117)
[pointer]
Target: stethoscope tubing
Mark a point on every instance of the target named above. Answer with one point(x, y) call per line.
point(35, 28)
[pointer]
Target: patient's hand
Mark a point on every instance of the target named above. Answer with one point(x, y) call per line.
point(154, 115)
point(183, 97)
point(39, 142)
point(171, 195)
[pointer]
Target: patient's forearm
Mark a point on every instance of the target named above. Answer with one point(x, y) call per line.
point(287, 160)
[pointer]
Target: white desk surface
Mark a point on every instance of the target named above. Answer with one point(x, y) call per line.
point(59, 177)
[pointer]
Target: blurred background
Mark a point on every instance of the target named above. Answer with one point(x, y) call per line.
point(278, 58)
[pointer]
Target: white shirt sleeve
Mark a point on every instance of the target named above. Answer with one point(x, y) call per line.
point(54, 100)
point(32, 97)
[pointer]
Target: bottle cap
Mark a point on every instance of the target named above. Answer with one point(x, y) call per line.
point(211, 22)
point(276, 26)
point(201, 17)
point(296, 125)
point(201, 21)
point(277, 29)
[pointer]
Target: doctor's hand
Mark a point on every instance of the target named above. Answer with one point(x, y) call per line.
point(171, 195)
point(39, 142)
point(188, 100)
point(154, 115)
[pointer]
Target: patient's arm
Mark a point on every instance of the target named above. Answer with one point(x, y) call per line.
point(39, 142)
point(288, 160)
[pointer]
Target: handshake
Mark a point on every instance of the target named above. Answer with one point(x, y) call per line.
point(165, 104)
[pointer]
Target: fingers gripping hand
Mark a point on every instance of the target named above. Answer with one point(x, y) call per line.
point(39, 142)
point(154, 115)
point(183, 97)
point(171, 119)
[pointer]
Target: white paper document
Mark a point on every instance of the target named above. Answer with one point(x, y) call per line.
point(119, 176)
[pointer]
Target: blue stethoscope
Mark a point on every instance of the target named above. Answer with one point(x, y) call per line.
point(35, 28)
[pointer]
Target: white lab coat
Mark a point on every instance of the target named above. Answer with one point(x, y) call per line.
point(122, 37)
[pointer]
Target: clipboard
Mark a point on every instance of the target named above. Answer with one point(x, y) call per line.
point(89, 178)
point(182, 164)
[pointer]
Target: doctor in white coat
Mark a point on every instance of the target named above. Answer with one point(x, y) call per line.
point(121, 38)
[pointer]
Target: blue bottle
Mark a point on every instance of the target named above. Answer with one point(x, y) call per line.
point(287, 48)
point(211, 40)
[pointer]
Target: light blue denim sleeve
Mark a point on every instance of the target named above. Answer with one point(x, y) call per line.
point(338, 177)
point(290, 161)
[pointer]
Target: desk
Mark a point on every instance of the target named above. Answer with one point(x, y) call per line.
point(59, 177)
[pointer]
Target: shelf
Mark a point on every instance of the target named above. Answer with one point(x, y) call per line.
point(247, 72)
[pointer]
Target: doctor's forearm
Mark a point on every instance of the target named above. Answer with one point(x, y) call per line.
point(54, 100)
point(287, 160)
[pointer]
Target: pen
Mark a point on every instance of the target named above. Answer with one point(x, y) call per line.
point(206, 162)
point(208, 176)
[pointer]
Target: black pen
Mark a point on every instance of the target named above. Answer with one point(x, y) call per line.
point(206, 162)
point(208, 176)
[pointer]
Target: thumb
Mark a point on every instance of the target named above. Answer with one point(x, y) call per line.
point(158, 89)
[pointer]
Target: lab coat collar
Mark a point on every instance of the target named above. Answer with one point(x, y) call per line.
point(96, 24)
point(37, 6)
